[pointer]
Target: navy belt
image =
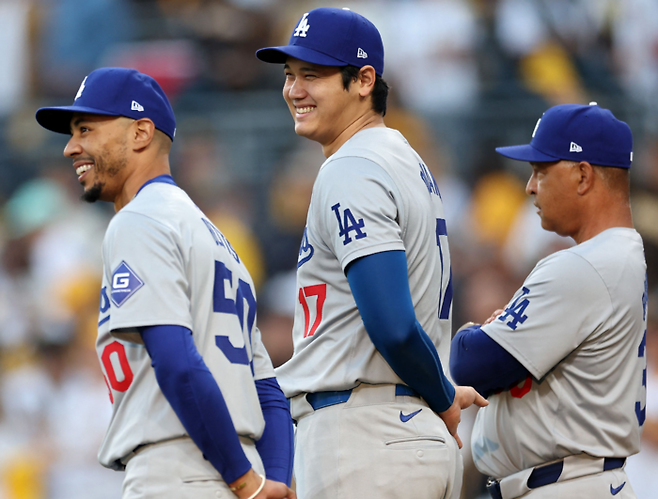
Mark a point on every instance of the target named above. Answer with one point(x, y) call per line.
point(318, 400)
point(550, 473)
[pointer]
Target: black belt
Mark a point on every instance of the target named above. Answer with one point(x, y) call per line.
point(318, 400)
point(550, 473)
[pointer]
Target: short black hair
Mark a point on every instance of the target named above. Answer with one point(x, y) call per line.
point(379, 92)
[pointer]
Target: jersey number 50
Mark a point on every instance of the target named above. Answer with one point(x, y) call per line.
point(225, 304)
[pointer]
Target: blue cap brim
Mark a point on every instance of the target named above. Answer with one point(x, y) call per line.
point(279, 55)
point(525, 153)
point(58, 119)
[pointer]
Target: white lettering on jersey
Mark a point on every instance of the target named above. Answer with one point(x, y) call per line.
point(121, 280)
point(302, 27)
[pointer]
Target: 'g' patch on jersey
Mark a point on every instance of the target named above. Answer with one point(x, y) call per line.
point(124, 284)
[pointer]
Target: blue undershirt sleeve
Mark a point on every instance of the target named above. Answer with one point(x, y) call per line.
point(477, 360)
point(276, 444)
point(380, 286)
point(192, 392)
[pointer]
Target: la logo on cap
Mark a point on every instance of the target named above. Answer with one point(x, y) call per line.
point(302, 27)
point(82, 87)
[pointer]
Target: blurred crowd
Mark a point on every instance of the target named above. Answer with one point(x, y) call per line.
point(466, 76)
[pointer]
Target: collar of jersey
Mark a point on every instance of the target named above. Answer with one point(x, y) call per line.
point(164, 179)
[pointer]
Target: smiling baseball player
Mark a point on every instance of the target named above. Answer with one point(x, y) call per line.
point(191, 384)
point(374, 410)
point(564, 363)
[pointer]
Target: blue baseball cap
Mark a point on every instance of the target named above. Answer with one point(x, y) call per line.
point(114, 92)
point(575, 132)
point(331, 37)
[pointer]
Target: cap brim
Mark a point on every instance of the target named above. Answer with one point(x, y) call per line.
point(58, 119)
point(279, 55)
point(525, 153)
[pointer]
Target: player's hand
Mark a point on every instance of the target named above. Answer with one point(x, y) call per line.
point(494, 316)
point(465, 396)
point(276, 490)
point(271, 489)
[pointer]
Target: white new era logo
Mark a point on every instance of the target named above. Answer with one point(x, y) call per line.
point(575, 148)
point(361, 54)
point(136, 106)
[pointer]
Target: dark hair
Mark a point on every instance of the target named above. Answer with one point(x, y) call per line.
point(379, 92)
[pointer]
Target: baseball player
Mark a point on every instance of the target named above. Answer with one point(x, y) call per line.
point(197, 411)
point(564, 363)
point(373, 311)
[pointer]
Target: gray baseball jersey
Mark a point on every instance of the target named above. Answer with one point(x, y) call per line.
point(578, 324)
point(374, 194)
point(164, 263)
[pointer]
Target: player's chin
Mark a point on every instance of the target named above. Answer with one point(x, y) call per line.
point(93, 193)
point(304, 130)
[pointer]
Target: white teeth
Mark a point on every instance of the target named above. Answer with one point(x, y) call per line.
point(83, 168)
point(304, 110)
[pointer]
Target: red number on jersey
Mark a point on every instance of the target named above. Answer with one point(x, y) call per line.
point(520, 391)
point(114, 356)
point(319, 290)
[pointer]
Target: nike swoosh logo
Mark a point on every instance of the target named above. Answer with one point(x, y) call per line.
point(615, 491)
point(406, 417)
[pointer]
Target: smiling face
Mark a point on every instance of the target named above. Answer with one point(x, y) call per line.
point(555, 187)
point(99, 149)
point(321, 107)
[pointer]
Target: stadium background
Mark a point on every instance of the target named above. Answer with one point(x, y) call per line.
point(466, 76)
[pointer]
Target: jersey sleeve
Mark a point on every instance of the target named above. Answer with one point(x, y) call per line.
point(145, 272)
point(359, 211)
point(561, 303)
point(263, 367)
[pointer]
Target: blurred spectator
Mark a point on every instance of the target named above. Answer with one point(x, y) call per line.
point(61, 246)
point(227, 34)
point(495, 204)
point(276, 312)
point(73, 37)
point(562, 45)
point(635, 50)
point(430, 53)
point(15, 57)
point(289, 197)
point(431, 65)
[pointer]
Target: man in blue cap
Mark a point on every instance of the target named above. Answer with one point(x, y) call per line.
point(197, 411)
point(375, 413)
point(563, 365)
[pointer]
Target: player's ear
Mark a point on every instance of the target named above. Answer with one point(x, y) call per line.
point(366, 80)
point(586, 175)
point(142, 133)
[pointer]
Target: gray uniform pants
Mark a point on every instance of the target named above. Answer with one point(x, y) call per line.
point(369, 447)
point(176, 469)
